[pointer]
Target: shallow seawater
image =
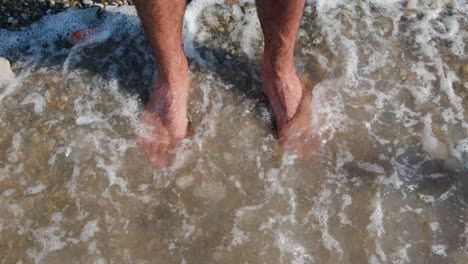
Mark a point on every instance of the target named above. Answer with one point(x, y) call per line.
point(387, 182)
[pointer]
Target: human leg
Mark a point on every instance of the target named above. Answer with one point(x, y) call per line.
point(165, 117)
point(280, 20)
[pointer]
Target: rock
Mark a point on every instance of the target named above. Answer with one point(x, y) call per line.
point(87, 2)
point(6, 74)
point(184, 182)
point(465, 69)
point(50, 144)
point(210, 191)
point(10, 20)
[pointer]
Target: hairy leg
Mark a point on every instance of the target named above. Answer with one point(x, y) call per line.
point(280, 20)
point(166, 113)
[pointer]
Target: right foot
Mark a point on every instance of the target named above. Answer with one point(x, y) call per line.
point(164, 122)
point(291, 108)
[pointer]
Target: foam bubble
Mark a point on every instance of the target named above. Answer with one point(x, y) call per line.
point(89, 230)
point(37, 100)
point(439, 249)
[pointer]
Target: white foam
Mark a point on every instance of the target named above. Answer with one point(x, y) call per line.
point(347, 201)
point(435, 226)
point(439, 249)
point(89, 230)
point(8, 192)
point(401, 255)
point(191, 26)
point(287, 245)
point(35, 99)
point(15, 145)
point(376, 226)
point(50, 238)
point(431, 144)
point(188, 228)
point(35, 189)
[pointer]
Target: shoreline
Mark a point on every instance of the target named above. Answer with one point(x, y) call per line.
point(16, 14)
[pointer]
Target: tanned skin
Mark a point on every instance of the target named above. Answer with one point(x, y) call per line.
point(165, 118)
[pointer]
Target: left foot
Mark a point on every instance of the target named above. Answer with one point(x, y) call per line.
point(164, 122)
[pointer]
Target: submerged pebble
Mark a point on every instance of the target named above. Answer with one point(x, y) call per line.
point(6, 74)
point(210, 191)
point(184, 182)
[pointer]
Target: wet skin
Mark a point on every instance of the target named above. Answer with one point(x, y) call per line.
point(165, 120)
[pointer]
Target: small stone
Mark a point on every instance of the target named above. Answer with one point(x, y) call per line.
point(403, 72)
point(6, 74)
point(184, 182)
point(50, 144)
point(465, 69)
point(98, 5)
point(10, 20)
point(36, 138)
point(230, 27)
point(210, 191)
point(87, 2)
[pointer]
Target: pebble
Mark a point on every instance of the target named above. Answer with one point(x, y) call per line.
point(87, 2)
point(6, 74)
point(50, 144)
point(184, 182)
point(465, 69)
point(210, 191)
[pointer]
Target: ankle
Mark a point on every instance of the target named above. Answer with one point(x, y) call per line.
point(277, 66)
point(172, 69)
point(284, 91)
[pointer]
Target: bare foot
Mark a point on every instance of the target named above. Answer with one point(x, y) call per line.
point(296, 136)
point(164, 122)
point(292, 109)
